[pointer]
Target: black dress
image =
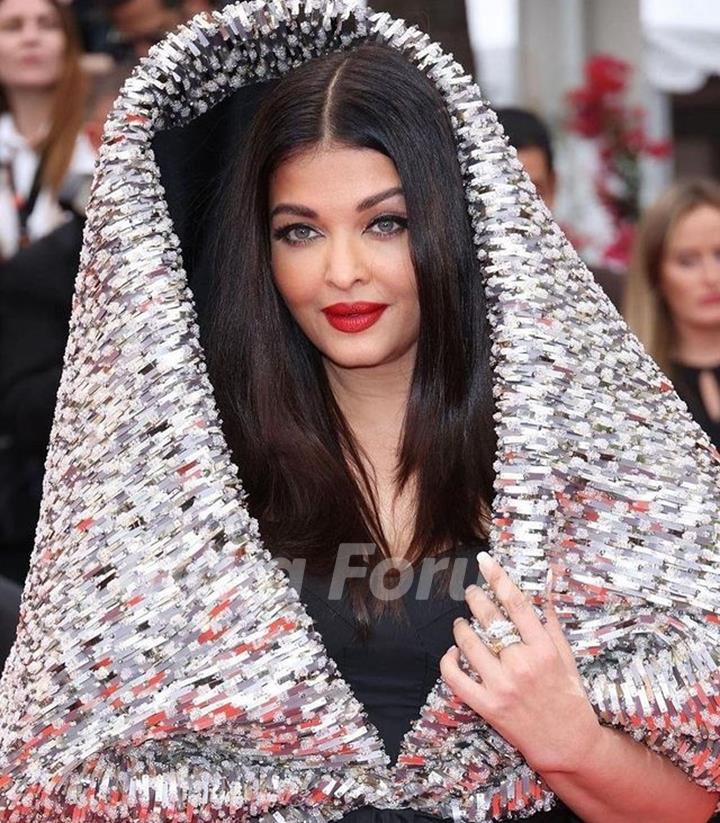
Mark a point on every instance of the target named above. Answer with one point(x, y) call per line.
point(392, 671)
point(686, 381)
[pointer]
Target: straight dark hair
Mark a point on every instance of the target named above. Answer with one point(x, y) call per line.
point(296, 455)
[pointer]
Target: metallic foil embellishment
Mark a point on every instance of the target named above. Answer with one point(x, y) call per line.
point(165, 670)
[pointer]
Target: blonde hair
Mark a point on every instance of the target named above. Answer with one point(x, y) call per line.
point(68, 106)
point(645, 309)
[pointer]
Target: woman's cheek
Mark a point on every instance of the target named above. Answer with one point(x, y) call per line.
point(56, 56)
point(295, 281)
point(392, 264)
point(676, 288)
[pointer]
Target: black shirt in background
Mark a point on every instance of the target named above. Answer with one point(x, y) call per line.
point(686, 382)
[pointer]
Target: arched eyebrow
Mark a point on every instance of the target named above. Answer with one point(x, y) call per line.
point(374, 199)
point(290, 208)
point(364, 205)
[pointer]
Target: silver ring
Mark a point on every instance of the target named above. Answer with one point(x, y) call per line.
point(500, 634)
point(500, 628)
point(504, 642)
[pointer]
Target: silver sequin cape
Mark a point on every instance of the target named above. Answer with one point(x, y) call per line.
point(165, 671)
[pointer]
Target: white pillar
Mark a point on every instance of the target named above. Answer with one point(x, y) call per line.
point(555, 39)
point(551, 54)
point(493, 30)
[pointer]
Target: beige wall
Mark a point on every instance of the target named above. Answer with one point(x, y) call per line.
point(555, 38)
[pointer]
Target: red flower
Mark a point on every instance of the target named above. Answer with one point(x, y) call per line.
point(587, 118)
point(657, 148)
point(584, 97)
point(598, 110)
point(617, 254)
point(635, 140)
point(606, 74)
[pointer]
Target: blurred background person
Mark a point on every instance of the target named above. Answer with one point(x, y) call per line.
point(527, 133)
point(531, 138)
point(43, 83)
point(46, 166)
point(140, 24)
point(36, 289)
point(45, 159)
point(673, 293)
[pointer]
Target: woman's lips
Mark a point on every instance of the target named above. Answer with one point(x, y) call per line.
point(354, 317)
point(35, 59)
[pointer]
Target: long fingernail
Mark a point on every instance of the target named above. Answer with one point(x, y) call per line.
point(471, 588)
point(484, 561)
point(549, 580)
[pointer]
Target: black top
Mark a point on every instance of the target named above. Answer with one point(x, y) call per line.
point(10, 594)
point(392, 671)
point(685, 380)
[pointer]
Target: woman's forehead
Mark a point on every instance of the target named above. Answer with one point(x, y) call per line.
point(341, 174)
point(27, 9)
point(696, 226)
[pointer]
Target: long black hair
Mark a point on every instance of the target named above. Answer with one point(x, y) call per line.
point(296, 455)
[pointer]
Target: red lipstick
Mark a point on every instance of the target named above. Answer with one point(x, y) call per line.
point(354, 317)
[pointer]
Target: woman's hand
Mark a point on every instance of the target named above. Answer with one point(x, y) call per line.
point(530, 691)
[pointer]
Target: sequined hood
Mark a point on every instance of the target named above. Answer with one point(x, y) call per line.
point(165, 670)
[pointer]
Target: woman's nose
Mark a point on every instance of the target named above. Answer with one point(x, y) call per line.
point(30, 31)
point(345, 263)
point(711, 270)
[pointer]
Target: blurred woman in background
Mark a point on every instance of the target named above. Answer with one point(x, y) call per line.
point(46, 166)
point(673, 294)
point(46, 162)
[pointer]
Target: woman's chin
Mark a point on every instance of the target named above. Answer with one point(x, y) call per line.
point(357, 357)
point(355, 362)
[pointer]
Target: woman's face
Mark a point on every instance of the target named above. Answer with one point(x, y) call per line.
point(690, 269)
point(341, 255)
point(32, 45)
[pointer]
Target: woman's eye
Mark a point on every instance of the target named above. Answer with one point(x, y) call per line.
point(389, 224)
point(300, 233)
point(687, 260)
point(50, 23)
point(44, 23)
point(296, 234)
